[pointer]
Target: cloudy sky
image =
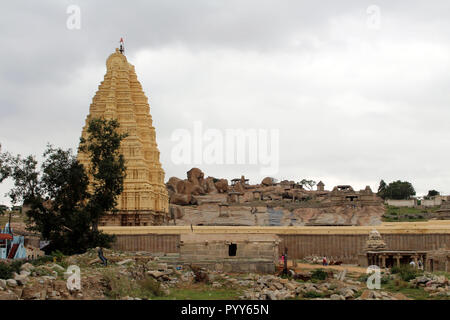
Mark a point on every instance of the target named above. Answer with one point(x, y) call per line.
point(358, 90)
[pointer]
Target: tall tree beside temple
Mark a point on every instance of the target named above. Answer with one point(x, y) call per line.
point(56, 199)
point(106, 166)
point(63, 204)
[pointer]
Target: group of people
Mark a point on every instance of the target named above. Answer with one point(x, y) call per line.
point(419, 264)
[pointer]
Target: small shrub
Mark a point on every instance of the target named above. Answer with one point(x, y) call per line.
point(319, 274)
point(151, 287)
point(117, 286)
point(15, 265)
point(385, 279)
point(400, 284)
point(5, 271)
point(363, 278)
point(41, 260)
point(405, 272)
point(312, 294)
point(59, 258)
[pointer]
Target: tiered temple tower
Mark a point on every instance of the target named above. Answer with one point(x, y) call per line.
point(144, 200)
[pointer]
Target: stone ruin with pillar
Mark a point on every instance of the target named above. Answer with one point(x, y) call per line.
point(377, 253)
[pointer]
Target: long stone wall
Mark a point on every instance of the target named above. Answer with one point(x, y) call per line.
point(347, 247)
point(339, 243)
point(167, 243)
point(339, 247)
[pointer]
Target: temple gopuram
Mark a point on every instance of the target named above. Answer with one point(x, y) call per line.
point(144, 200)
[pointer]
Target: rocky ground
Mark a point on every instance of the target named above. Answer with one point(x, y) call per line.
point(142, 275)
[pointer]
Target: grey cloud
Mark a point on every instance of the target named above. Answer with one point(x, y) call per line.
point(352, 104)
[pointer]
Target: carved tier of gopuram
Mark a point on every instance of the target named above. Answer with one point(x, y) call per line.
point(144, 200)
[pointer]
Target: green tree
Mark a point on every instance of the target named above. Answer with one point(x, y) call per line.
point(61, 204)
point(107, 166)
point(307, 183)
point(382, 188)
point(3, 209)
point(56, 201)
point(432, 193)
point(5, 168)
point(398, 190)
point(25, 174)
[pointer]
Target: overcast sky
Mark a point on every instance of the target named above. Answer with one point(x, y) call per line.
point(355, 99)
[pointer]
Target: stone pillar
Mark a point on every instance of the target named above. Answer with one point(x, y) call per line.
point(383, 261)
point(416, 260)
point(397, 258)
point(428, 265)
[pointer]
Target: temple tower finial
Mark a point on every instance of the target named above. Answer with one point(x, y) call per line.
point(121, 48)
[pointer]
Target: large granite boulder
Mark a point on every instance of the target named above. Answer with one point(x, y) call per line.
point(180, 199)
point(195, 175)
point(210, 187)
point(221, 185)
point(267, 181)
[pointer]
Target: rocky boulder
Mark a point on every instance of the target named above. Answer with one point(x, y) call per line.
point(195, 176)
point(221, 185)
point(267, 181)
point(180, 199)
point(210, 187)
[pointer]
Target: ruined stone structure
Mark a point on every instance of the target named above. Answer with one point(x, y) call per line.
point(345, 195)
point(321, 186)
point(438, 260)
point(230, 253)
point(375, 242)
point(444, 211)
point(377, 253)
point(144, 200)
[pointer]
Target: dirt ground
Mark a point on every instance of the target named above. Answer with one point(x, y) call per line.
point(306, 266)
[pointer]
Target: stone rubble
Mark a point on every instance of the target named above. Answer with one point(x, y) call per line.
point(49, 281)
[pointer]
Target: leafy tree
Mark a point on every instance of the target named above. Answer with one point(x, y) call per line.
point(61, 204)
point(107, 166)
point(26, 179)
point(3, 209)
point(398, 190)
point(432, 193)
point(381, 187)
point(5, 168)
point(307, 183)
point(56, 201)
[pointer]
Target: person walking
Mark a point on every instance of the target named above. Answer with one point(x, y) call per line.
point(420, 264)
point(102, 257)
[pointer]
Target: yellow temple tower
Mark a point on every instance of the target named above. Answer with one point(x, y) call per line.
point(144, 200)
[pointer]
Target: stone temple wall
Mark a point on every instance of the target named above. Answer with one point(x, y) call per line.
point(342, 247)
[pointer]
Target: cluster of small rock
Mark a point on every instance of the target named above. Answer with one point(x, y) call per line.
point(433, 284)
point(270, 287)
point(49, 281)
point(36, 283)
